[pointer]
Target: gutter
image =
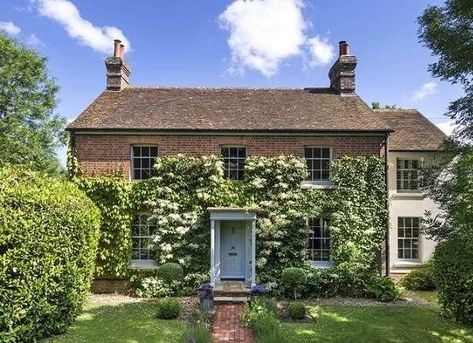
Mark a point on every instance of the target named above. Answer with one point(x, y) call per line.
point(219, 132)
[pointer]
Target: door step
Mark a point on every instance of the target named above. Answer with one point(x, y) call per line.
point(235, 299)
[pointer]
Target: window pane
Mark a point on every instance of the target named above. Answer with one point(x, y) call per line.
point(136, 151)
point(326, 153)
point(153, 151)
point(308, 152)
point(325, 175)
point(317, 153)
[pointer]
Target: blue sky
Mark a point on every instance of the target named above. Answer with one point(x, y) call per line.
point(269, 43)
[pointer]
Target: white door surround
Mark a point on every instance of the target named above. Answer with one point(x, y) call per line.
point(232, 248)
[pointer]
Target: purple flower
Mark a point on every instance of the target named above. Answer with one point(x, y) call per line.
point(259, 290)
point(205, 291)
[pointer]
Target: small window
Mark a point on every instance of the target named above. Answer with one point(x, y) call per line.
point(318, 164)
point(408, 231)
point(142, 161)
point(234, 162)
point(142, 233)
point(407, 175)
point(319, 240)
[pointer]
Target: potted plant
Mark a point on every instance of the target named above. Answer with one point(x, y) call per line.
point(205, 296)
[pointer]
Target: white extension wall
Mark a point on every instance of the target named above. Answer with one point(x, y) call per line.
point(407, 205)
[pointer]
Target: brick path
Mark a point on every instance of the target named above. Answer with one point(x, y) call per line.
point(227, 327)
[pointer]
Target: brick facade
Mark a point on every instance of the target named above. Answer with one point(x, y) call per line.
point(98, 154)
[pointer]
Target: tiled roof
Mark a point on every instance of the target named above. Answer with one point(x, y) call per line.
point(318, 109)
point(412, 131)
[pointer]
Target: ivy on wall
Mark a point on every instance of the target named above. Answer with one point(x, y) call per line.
point(184, 187)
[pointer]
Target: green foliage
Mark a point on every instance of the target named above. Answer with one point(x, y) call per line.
point(169, 272)
point(383, 289)
point(184, 187)
point(29, 130)
point(111, 194)
point(360, 215)
point(294, 279)
point(296, 310)
point(419, 280)
point(377, 106)
point(262, 321)
point(168, 308)
point(155, 287)
point(197, 333)
point(48, 241)
point(444, 30)
point(453, 274)
point(321, 283)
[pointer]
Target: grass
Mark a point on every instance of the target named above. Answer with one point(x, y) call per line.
point(366, 324)
point(430, 296)
point(133, 322)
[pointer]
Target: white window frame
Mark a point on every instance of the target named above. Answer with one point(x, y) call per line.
point(400, 178)
point(132, 159)
point(148, 263)
point(237, 158)
point(410, 238)
point(321, 182)
point(319, 263)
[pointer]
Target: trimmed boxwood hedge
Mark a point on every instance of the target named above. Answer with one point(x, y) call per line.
point(48, 241)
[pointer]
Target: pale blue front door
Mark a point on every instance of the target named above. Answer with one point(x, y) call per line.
point(232, 250)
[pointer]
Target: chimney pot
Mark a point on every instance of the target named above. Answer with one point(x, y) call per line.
point(122, 51)
point(116, 47)
point(344, 48)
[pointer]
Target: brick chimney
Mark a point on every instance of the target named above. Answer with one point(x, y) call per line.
point(118, 71)
point(342, 73)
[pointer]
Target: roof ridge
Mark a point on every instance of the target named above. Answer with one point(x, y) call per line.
point(395, 109)
point(226, 88)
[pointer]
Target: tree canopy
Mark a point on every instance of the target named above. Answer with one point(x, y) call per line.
point(448, 32)
point(29, 130)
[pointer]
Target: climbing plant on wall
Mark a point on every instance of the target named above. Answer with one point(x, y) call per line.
point(178, 197)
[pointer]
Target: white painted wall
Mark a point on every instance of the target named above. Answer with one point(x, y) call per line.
point(408, 205)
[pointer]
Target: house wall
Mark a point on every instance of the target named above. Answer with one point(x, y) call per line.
point(408, 205)
point(98, 154)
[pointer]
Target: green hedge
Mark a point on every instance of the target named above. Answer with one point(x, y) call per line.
point(48, 240)
point(453, 274)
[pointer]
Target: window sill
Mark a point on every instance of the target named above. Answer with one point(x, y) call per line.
point(143, 264)
point(408, 196)
point(320, 264)
point(408, 264)
point(317, 185)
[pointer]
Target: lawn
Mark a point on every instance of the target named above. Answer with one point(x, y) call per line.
point(127, 322)
point(366, 324)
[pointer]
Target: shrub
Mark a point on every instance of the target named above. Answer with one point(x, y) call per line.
point(419, 280)
point(383, 288)
point(168, 308)
point(197, 333)
point(293, 279)
point(296, 310)
point(453, 274)
point(321, 283)
point(170, 272)
point(48, 241)
point(154, 287)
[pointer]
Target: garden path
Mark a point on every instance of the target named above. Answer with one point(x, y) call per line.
point(227, 327)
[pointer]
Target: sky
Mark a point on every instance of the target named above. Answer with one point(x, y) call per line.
point(232, 43)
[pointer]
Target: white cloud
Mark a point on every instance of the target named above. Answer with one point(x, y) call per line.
point(9, 27)
point(447, 127)
point(66, 13)
point(321, 51)
point(427, 89)
point(264, 33)
point(34, 41)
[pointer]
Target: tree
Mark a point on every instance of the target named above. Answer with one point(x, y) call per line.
point(29, 130)
point(448, 32)
point(377, 106)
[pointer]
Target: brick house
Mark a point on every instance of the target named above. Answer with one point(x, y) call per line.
point(126, 127)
